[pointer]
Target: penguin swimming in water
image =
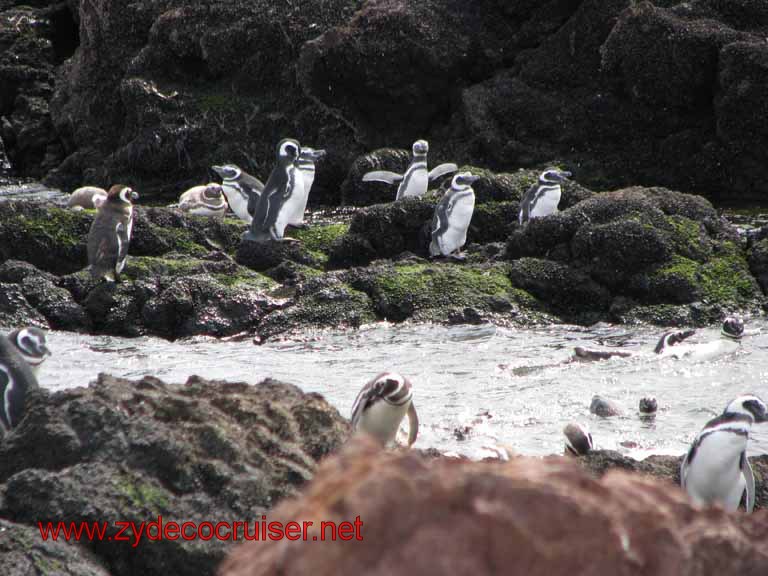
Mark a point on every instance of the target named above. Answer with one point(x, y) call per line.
point(87, 198)
point(542, 198)
point(306, 166)
point(578, 439)
point(240, 188)
point(270, 216)
point(16, 380)
point(110, 234)
point(206, 200)
point(416, 179)
point(381, 405)
point(663, 348)
point(30, 342)
point(452, 216)
point(716, 468)
point(729, 342)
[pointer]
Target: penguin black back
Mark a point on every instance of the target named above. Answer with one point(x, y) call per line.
point(110, 233)
point(16, 380)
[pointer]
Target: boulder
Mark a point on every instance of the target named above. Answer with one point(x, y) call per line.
point(132, 451)
point(529, 515)
point(15, 310)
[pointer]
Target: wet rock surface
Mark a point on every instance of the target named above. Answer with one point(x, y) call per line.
point(130, 451)
point(540, 516)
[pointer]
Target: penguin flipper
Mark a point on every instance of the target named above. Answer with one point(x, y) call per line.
point(684, 470)
point(413, 425)
point(442, 170)
point(382, 176)
point(526, 202)
point(746, 469)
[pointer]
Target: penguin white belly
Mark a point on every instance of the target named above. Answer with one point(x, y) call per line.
point(458, 223)
point(205, 211)
point(414, 182)
point(301, 207)
point(382, 421)
point(704, 351)
point(715, 475)
point(546, 203)
point(237, 203)
point(295, 204)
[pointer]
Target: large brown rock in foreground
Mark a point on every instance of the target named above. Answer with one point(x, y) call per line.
point(529, 516)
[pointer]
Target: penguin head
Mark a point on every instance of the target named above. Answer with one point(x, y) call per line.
point(733, 328)
point(420, 147)
point(395, 389)
point(749, 405)
point(288, 151)
point(463, 180)
point(121, 194)
point(648, 405)
point(578, 439)
point(310, 154)
point(31, 344)
point(553, 176)
point(227, 171)
point(213, 191)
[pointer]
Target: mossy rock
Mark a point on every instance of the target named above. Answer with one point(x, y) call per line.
point(319, 240)
point(439, 291)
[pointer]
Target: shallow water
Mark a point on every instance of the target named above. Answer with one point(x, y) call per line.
point(507, 386)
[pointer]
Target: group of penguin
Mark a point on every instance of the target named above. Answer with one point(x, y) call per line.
point(270, 208)
point(714, 471)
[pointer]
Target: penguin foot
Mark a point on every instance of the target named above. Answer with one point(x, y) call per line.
point(302, 226)
point(289, 239)
point(457, 257)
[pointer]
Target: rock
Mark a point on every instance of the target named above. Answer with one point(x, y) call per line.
point(56, 304)
point(351, 250)
point(133, 451)
point(758, 263)
point(15, 310)
point(24, 552)
point(261, 256)
point(116, 308)
point(500, 514)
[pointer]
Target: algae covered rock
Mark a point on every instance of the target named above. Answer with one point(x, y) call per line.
point(132, 451)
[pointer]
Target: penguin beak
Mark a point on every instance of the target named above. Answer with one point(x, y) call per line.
point(45, 351)
point(471, 179)
point(319, 154)
point(565, 174)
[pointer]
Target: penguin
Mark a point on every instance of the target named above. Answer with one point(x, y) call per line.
point(239, 187)
point(603, 407)
point(729, 342)
point(16, 381)
point(270, 214)
point(452, 216)
point(110, 234)
point(671, 338)
point(306, 166)
point(648, 406)
point(416, 179)
point(87, 197)
point(207, 200)
point(382, 404)
point(542, 198)
point(30, 343)
point(716, 468)
point(578, 440)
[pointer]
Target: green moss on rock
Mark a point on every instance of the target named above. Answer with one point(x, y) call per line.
point(318, 240)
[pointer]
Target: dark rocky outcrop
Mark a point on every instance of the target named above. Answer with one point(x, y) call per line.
point(132, 451)
point(527, 515)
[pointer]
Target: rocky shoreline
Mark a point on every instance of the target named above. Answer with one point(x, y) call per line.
point(130, 451)
point(636, 254)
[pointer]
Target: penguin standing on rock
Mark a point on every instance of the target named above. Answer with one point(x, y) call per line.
point(306, 166)
point(381, 405)
point(110, 234)
point(716, 468)
point(207, 200)
point(416, 179)
point(270, 211)
point(542, 198)
point(30, 342)
point(452, 216)
point(240, 188)
point(16, 380)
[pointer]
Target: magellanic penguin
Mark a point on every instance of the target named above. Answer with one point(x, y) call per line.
point(87, 197)
point(30, 342)
point(270, 216)
point(729, 342)
point(110, 234)
point(206, 200)
point(542, 198)
point(578, 440)
point(452, 216)
point(381, 405)
point(671, 338)
point(16, 380)
point(416, 179)
point(716, 469)
point(298, 201)
point(240, 188)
